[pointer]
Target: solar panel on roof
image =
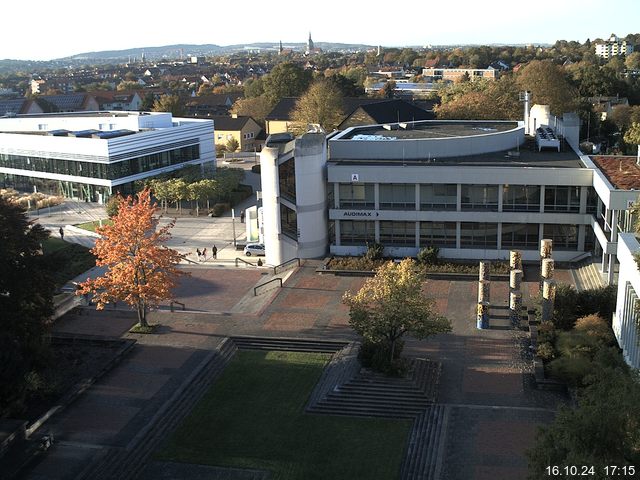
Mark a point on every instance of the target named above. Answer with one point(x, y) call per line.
point(112, 134)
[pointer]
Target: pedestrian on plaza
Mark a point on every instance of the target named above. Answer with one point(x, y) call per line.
point(214, 252)
point(198, 253)
point(242, 216)
point(61, 233)
point(204, 254)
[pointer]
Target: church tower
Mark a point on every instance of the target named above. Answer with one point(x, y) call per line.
point(310, 46)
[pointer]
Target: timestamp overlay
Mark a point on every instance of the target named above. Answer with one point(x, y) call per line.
point(575, 471)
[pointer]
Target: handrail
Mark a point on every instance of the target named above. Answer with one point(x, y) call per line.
point(283, 264)
point(244, 261)
point(255, 289)
point(177, 302)
point(189, 260)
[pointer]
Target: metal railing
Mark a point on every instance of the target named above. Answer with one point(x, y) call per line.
point(175, 302)
point(285, 265)
point(255, 289)
point(238, 259)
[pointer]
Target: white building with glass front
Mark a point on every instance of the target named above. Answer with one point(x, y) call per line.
point(92, 155)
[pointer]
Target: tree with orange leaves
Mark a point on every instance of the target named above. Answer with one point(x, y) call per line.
point(141, 271)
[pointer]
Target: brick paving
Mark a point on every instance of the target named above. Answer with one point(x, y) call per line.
point(485, 379)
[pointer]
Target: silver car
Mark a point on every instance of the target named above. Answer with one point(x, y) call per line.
point(254, 249)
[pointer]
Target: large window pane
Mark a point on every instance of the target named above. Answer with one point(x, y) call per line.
point(439, 196)
point(401, 234)
point(398, 196)
point(353, 232)
point(288, 222)
point(480, 197)
point(287, 179)
point(438, 234)
point(359, 196)
point(561, 199)
point(521, 198)
point(520, 235)
point(565, 237)
point(478, 235)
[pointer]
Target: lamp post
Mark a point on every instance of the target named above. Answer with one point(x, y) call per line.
point(233, 225)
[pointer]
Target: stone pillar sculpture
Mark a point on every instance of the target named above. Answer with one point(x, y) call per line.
point(515, 260)
point(548, 299)
point(485, 270)
point(515, 279)
point(546, 248)
point(482, 320)
point(548, 266)
point(484, 294)
point(515, 307)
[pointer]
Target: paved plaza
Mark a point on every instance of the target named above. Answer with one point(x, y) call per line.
point(486, 383)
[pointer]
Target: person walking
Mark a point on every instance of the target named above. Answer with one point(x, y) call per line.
point(204, 254)
point(214, 252)
point(198, 253)
point(61, 233)
point(242, 216)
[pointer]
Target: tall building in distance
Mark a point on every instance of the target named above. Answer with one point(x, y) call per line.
point(310, 46)
point(613, 47)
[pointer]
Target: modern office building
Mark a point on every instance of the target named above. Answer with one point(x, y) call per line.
point(92, 155)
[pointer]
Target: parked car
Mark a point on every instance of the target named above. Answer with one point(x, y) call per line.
point(254, 249)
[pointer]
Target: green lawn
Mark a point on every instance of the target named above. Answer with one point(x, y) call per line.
point(65, 260)
point(253, 418)
point(91, 226)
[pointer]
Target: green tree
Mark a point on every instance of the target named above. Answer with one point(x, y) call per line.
point(285, 80)
point(127, 85)
point(632, 62)
point(169, 103)
point(549, 86)
point(253, 87)
point(632, 135)
point(256, 107)
point(604, 430)
point(232, 145)
point(26, 293)
point(391, 304)
point(321, 104)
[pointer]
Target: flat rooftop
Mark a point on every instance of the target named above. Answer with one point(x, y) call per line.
point(527, 155)
point(430, 129)
point(622, 171)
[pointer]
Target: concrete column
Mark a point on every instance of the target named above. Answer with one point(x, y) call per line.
point(484, 293)
point(482, 320)
point(336, 228)
point(515, 260)
point(611, 271)
point(541, 204)
point(376, 197)
point(515, 306)
point(548, 299)
point(500, 197)
point(336, 195)
point(584, 191)
point(377, 230)
point(459, 199)
point(582, 233)
point(515, 279)
point(417, 197)
point(417, 239)
point(485, 270)
point(458, 228)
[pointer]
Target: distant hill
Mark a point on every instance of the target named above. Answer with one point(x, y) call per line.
point(176, 51)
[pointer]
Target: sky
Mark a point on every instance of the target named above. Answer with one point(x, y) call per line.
point(45, 30)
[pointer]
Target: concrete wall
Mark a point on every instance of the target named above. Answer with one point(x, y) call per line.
point(625, 319)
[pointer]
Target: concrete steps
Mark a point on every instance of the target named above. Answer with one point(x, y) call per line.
point(371, 394)
point(127, 463)
point(425, 445)
point(287, 344)
point(587, 276)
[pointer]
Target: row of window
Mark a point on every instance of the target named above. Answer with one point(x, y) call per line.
point(515, 198)
point(472, 234)
point(108, 171)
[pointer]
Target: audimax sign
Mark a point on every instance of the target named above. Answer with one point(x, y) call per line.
point(359, 213)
